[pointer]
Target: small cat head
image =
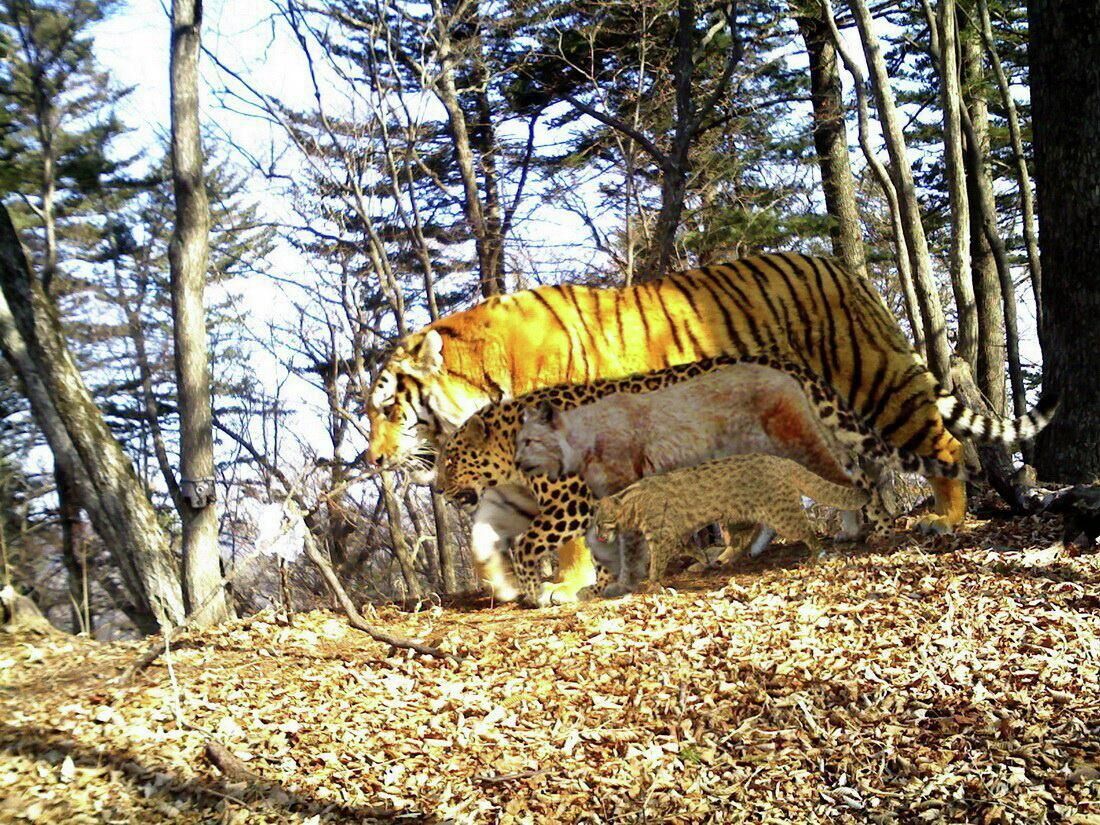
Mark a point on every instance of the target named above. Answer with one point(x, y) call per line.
point(605, 525)
point(539, 448)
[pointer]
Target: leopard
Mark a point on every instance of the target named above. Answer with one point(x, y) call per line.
point(665, 509)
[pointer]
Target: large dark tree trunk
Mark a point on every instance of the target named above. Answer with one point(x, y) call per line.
point(203, 588)
point(110, 490)
point(1065, 96)
point(831, 142)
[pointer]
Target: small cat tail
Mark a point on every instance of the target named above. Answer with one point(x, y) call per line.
point(963, 422)
point(826, 492)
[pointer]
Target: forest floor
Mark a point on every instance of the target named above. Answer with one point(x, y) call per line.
point(954, 679)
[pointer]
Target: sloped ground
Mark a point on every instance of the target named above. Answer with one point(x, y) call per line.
point(949, 680)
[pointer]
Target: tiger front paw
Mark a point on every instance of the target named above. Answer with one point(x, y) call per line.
point(934, 525)
point(554, 594)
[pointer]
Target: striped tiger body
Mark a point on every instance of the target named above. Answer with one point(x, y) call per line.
point(805, 309)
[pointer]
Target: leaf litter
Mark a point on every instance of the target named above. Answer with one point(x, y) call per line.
point(947, 679)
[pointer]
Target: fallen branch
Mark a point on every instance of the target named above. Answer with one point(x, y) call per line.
point(355, 618)
point(501, 778)
point(233, 768)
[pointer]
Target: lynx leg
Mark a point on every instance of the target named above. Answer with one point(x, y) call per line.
point(760, 542)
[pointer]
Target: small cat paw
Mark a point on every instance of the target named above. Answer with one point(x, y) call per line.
point(616, 590)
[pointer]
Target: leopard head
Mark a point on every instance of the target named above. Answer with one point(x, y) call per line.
point(478, 455)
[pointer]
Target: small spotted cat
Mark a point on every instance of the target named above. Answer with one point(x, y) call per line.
point(668, 508)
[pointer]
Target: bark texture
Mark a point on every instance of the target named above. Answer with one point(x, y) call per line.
point(188, 253)
point(111, 492)
point(989, 372)
point(935, 327)
point(1065, 95)
point(951, 93)
point(831, 141)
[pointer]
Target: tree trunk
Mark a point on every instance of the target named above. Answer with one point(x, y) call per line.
point(961, 280)
point(111, 492)
point(1065, 98)
point(203, 587)
point(406, 559)
point(986, 207)
point(935, 327)
point(1023, 180)
point(444, 547)
point(488, 257)
point(990, 368)
point(72, 549)
point(831, 142)
point(913, 310)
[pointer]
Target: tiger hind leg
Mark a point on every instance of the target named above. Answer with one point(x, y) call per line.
point(950, 509)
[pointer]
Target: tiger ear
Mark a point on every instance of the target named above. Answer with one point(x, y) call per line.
point(429, 355)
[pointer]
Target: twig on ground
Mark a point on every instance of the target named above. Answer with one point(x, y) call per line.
point(355, 618)
point(497, 779)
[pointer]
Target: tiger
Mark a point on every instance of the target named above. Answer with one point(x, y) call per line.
point(809, 309)
point(666, 509)
point(804, 418)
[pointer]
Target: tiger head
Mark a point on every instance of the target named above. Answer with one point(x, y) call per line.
point(478, 455)
point(402, 417)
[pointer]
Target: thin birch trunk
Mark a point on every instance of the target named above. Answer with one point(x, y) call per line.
point(990, 370)
point(399, 541)
point(913, 310)
point(188, 256)
point(1023, 179)
point(935, 326)
point(961, 283)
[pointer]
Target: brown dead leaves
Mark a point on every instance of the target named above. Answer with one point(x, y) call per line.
point(947, 680)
